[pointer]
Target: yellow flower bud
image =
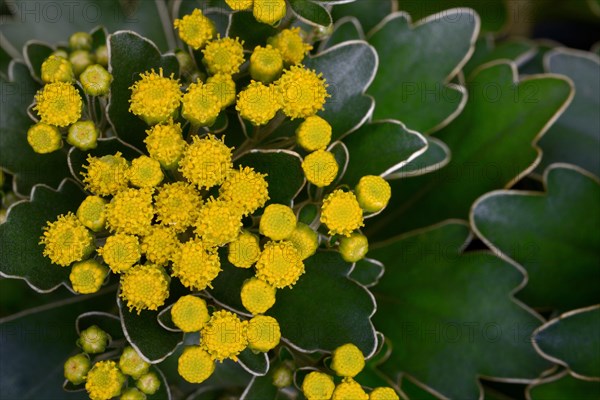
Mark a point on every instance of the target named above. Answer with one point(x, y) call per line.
point(291, 45)
point(81, 41)
point(200, 105)
point(104, 381)
point(269, 11)
point(177, 205)
point(155, 98)
point(145, 287)
point(219, 222)
point(66, 240)
point(257, 296)
point(347, 360)
point(195, 29)
point(240, 5)
point(259, 103)
point(304, 92)
point(206, 162)
point(130, 211)
point(87, 276)
point(222, 87)
point(318, 386)
point(373, 193)
point(266, 64)
point(305, 240)
point(354, 247)
point(279, 264)
point(120, 252)
point(145, 172)
point(244, 251)
point(160, 244)
point(224, 55)
point(76, 368)
point(224, 336)
point(80, 60)
point(132, 364)
point(83, 135)
point(277, 222)
point(263, 333)
point(196, 265)
point(106, 175)
point(58, 104)
point(245, 189)
point(349, 390)
point(165, 144)
point(341, 213)
point(320, 168)
point(190, 313)
point(313, 134)
point(95, 80)
point(132, 394)
point(57, 69)
point(383, 393)
point(44, 138)
point(195, 365)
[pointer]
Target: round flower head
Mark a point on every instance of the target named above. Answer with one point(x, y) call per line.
point(206, 162)
point(243, 252)
point(373, 193)
point(76, 368)
point(120, 252)
point(304, 92)
point(190, 313)
point(279, 264)
point(269, 11)
point(130, 211)
point(148, 383)
point(224, 55)
point(195, 365)
point(165, 144)
point(224, 336)
point(106, 175)
point(196, 265)
point(195, 29)
point(93, 340)
point(57, 69)
point(160, 244)
point(145, 172)
point(80, 60)
point(313, 134)
point(130, 363)
point(277, 222)
point(145, 287)
point(257, 296)
point(177, 205)
point(83, 135)
point(305, 240)
point(266, 64)
point(155, 98)
point(290, 44)
point(81, 41)
point(259, 103)
point(200, 105)
point(354, 247)
point(349, 390)
point(102, 55)
point(383, 393)
point(240, 5)
point(104, 381)
point(219, 222)
point(87, 276)
point(66, 240)
point(318, 386)
point(263, 333)
point(245, 189)
point(320, 168)
point(44, 138)
point(341, 213)
point(223, 87)
point(95, 80)
point(58, 104)
point(132, 394)
point(347, 360)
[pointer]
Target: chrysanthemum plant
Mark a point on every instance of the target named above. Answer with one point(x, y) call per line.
point(221, 186)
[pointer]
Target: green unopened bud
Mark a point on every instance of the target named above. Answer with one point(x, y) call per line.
point(186, 64)
point(354, 248)
point(132, 364)
point(76, 368)
point(282, 377)
point(148, 383)
point(61, 53)
point(81, 41)
point(102, 55)
point(133, 394)
point(44, 138)
point(57, 69)
point(93, 340)
point(80, 60)
point(96, 80)
point(83, 135)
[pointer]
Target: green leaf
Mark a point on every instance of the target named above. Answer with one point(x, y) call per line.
point(520, 51)
point(450, 316)
point(531, 228)
point(425, 56)
point(575, 137)
point(5, 59)
point(492, 144)
point(130, 55)
point(28, 167)
point(244, 25)
point(572, 340)
point(311, 12)
point(535, 65)
point(367, 272)
point(22, 255)
point(35, 54)
point(346, 29)
point(369, 13)
point(435, 157)
point(260, 388)
point(563, 386)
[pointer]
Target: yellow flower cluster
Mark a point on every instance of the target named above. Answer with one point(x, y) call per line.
point(265, 11)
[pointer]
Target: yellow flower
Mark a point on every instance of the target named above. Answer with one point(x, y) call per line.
point(304, 92)
point(313, 134)
point(196, 265)
point(120, 252)
point(245, 189)
point(263, 333)
point(305, 240)
point(206, 162)
point(87, 276)
point(349, 390)
point(320, 168)
point(200, 105)
point(145, 172)
point(223, 87)
point(177, 205)
point(130, 363)
point(58, 104)
point(290, 44)
point(239, 5)
point(259, 103)
point(318, 386)
point(130, 211)
point(373, 193)
point(195, 365)
point(257, 296)
point(354, 247)
point(57, 69)
point(341, 213)
point(224, 336)
point(277, 222)
point(66, 240)
point(165, 144)
point(347, 360)
point(195, 29)
point(44, 138)
point(155, 98)
point(243, 252)
point(219, 222)
point(224, 55)
point(160, 244)
point(190, 313)
point(266, 64)
point(106, 175)
point(145, 287)
point(279, 264)
point(269, 11)
point(104, 381)
point(83, 135)
point(383, 393)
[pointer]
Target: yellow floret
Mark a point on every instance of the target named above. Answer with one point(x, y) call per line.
point(304, 92)
point(224, 336)
point(245, 189)
point(318, 386)
point(320, 168)
point(58, 104)
point(373, 193)
point(206, 162)
point(219, 222)
point(120, 252)
point(347, 360)
point(269, 11)
point(87, 276)
point(354, 247)
point(145, 287)
point(160, 244)
point(257, 296)
point(259, 103)
point(165, 144)
point(223, 87)
point(91, 213)
point(195, 365)
point(313, 134)
point(196, 265)
point(383, 393)
point(291, 45)
point(130, 211)
point(44, 138)
point(266, 64)
point(243, 252)
point(277, 222)
point(66, 240)
point(200, 105)
point(145, 172)
point(224, 55)
point(155, 98)
point(190, 313)
point(279, 264)
point(106, 175)
point(177, 205)
point(349, 390)
point(240, 5)
point(305, 240)
point(57, 69)
point(341, 213)
point(104, 381)
point(263, 333)
point(195, 29)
